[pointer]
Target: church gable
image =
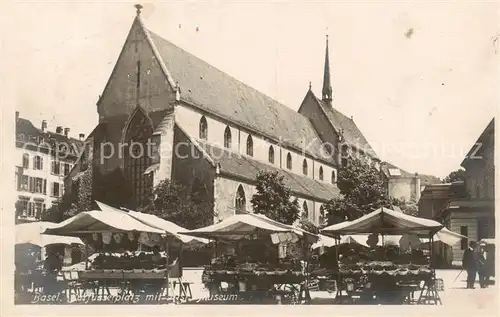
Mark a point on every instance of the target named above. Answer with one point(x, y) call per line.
point(137, 79)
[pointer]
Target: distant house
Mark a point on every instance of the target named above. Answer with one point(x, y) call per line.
point(404, 185)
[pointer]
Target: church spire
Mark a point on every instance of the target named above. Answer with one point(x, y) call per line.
point(327, 86)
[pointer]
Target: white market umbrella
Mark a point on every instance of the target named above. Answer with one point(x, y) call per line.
point(32, 233)
point(151, 220)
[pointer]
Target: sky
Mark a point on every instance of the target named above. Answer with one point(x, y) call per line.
point(420, 78)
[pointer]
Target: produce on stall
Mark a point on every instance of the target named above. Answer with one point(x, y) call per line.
point(261, 259)
point(389, 270)
point(112, 231)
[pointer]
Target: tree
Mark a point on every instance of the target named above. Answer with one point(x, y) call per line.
point(363, 191)
point(54, 213)
point(455, 176)
point(173, 202)
point(273, 199)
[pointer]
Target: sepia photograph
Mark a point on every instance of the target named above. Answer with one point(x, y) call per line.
point(325, 154)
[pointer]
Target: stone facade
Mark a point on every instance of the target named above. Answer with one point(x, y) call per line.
point(210, 130)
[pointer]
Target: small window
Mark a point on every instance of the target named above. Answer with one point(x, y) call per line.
point(322, 215)
point(271, 154)
point(321, 176)
point(203, 128)
point(464, 230)
point(305, 209)
point(55, 189)
point(250, 146)
point(37, 162)
point(304, 167)
point(26, 160)
point(56, 168)
point(67, 168)
point(334, 177)
point(227, 138)
point(240, 200)
point(289, 161)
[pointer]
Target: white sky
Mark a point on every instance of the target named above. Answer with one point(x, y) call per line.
point(436, 89)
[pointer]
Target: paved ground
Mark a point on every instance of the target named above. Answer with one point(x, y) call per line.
point(455, 295)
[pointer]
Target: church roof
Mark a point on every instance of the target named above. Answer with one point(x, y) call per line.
point(241, 166)
point(208, 88)
point(346, 126)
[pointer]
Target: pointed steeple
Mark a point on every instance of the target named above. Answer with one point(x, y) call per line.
point(327, 86)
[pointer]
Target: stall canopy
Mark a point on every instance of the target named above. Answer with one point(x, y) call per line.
point(32, 233)
point(97, 221)
point(167, 227)
point(325, 241)
point(385, 221)
point(238, 226)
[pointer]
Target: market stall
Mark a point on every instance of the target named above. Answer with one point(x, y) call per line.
point(257, 258)
point(388, 274)
point(114, 233)
point(30, 253)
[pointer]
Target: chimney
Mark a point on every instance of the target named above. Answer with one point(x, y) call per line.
point(44, 125)
point(81, 136)
point(66, 132)
point(17, 115)
point(59, 130)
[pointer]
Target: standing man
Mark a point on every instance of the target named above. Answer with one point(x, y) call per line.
point(469, 264)
point(481, 265)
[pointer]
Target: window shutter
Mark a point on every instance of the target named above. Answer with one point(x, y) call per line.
point(41, 163)
point(34, 162)
point(45, 187)
point(61, 190)
point(32, 184)
point(52, 185)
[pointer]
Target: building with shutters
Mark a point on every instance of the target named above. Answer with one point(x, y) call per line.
point(43, 159)
point(211, 132)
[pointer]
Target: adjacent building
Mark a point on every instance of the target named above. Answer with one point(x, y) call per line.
point(404, 185)
point(43, 159)
point(209, 132)
point(466, 207)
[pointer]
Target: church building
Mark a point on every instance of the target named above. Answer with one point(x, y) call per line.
point(210, 131)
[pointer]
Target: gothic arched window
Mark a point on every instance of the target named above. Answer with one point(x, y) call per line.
point(304, 167)
point(322, 215)
point(289, 161)
point(203, 128)
point(305, 209)
point(240, 200)
point(321, 176)
point(136, 156)
point(271, 154)
point(250, 146)
point(227, 138)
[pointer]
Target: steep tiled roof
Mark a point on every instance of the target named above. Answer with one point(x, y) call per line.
point(30, 133)
point(214, 91)
point(343, 124)
point(245, 167)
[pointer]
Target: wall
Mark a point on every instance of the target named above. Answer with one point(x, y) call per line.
point(404, 188)
point(189, 164)
point(189, 118)
point(45, 173)
point(225, 195)
point(455, 224)
point(312, 110)
point(480, 171)
point(120, 95)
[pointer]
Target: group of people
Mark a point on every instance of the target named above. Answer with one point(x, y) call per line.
point(474, 262)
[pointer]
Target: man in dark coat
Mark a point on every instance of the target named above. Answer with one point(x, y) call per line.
point(469, 264)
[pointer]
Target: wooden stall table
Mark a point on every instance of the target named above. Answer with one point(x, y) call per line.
point(129, 281)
